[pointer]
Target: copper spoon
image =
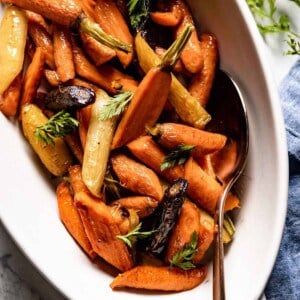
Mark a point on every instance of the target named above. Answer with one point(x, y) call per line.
point(229, 117)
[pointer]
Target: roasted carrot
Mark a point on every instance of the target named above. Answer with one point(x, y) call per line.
point(148, 152)
point(70, 217)
point(30, 48)
point(108, 16)
point(160, 278)
point(38, 19)
point(52, 77)
point(192, 55)
point(9, 100)
point(33, 76)
point(145, 107)
point(187, 223)
point(151, 95)
point(63, 12)
point(41, 38)
point(202, 81)
point(169, 18)
point(203, 189)
point(143, 205)
point(98, 52)
point(225, 160)
point(83, 116)
point(171, 135)
point(102, 230)
point(88, 7)
point(63, 55)
point(81, 82)
point(205, 162)
point(75, 146)
point(136, 177)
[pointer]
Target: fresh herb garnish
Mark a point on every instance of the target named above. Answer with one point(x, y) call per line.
point(59, 125)
point(269, 20)
point(138, 12)
point(177, 157)
point(130, 238)
point(183, 258)
point(116, 105)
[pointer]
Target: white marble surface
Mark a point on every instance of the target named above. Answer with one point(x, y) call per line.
point(19, 279)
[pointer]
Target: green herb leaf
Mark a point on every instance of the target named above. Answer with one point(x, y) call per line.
point(116, 105)
point(138, 12)
point(177, 157)
point(130, 238)
point(183, 258)
point(269, 20)
point(59, 125)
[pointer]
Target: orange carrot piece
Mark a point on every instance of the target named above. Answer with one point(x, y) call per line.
point(143, 205)
point(202, 81)
point(98, 52)
point(63, 55)
point(110, 19)
point(80, 82)
point(136, 177)
point(88, 7)
point(77, 183)
point(52, 77)
point(102, 230)
point(148, 152)
point(33, 76)
point(205, 162)
point(64, 12)
point(9, 100)
point(38, 19)
point(192, 55)
point(70, 217)
point(171, 18)
point(42, 39)
point(74, 144)
point(145, 107)
point(232, 202)
point(202, 188)
point(160, 278)
point(171, 135)
point(83, 116)
point(187, 223)
point(30, 48)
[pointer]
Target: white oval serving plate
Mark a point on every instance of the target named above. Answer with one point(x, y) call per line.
point(28, 203)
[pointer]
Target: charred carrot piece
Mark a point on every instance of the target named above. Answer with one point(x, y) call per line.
point(71, 219)
point(171, 135)
point(202, 81)
point(136, 177)
point(74, 144)
point(42, 39)
point(102, 230)
point(192, 56)
point(160, 278)
point(203, 189)
point(98, 52)
point(110, 19)
point(148, 152)
point(9, 100)
point(63, 55)
point(187, 223)
point(143, 205)
point(33, 76)
point(30, 48)
point(52, 77)
point(63, 12)
point(151, 95)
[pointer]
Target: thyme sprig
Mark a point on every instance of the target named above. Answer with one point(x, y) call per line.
point(177, 157)
point(183, 258)
point(138, 12)
point(59, 125)
point(116, 105)
point(130, 238)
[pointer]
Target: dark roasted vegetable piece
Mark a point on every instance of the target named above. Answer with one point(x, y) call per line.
point(69, 97)
point(166, 216)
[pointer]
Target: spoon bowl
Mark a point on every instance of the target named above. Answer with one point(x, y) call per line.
point(229, 117)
